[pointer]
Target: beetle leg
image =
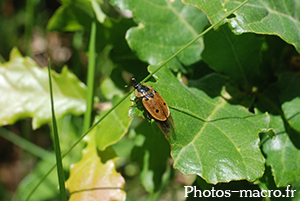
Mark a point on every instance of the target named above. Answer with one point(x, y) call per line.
point(136, 102)
point(149, 117)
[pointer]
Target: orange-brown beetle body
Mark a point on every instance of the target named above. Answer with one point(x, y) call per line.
point(156, 107)
point(153, 102)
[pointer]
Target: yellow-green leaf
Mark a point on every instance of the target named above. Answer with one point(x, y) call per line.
point(24, 90)
point(90, 179)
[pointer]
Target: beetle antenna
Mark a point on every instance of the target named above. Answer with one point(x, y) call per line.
point(133, 79)
point(136, 83)
point(132, 84)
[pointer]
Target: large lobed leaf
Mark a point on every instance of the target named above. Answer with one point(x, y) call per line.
point(281, 18)
point(24, 90)
point(163, 28)
point(214, 139)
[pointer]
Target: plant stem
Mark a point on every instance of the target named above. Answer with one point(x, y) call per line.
point(90, 78)
point(29, 18)
point(26, 145)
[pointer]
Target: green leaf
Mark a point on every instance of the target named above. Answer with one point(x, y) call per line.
point(97, 9)
point(113, 127)
point(46, 191)
point(90, 179)
point(83, 5)
point(70, 129)
point(238, 57)
point(269, 17)
point(76, 15)
point(25, 92)
point(283, 157)
point(69, 18)
point(109, 89)
point(152, 155)
point(163, 28)
point(289, 87)
point(214, 139)
point(267, 184)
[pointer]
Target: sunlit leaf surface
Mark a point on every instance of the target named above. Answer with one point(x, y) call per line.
point(24, 90)
point(281, 18)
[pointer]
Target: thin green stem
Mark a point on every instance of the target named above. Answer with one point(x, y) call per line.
point(40, 182)
point(90, 78)
point(29, 18)
point(26, 145)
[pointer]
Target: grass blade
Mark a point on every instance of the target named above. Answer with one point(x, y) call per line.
point(60, 170)
point(26, 145)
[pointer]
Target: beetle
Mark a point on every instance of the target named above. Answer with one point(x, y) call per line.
point(156, 107)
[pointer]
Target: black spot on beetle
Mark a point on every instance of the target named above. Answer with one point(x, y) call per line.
point(157, 110)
